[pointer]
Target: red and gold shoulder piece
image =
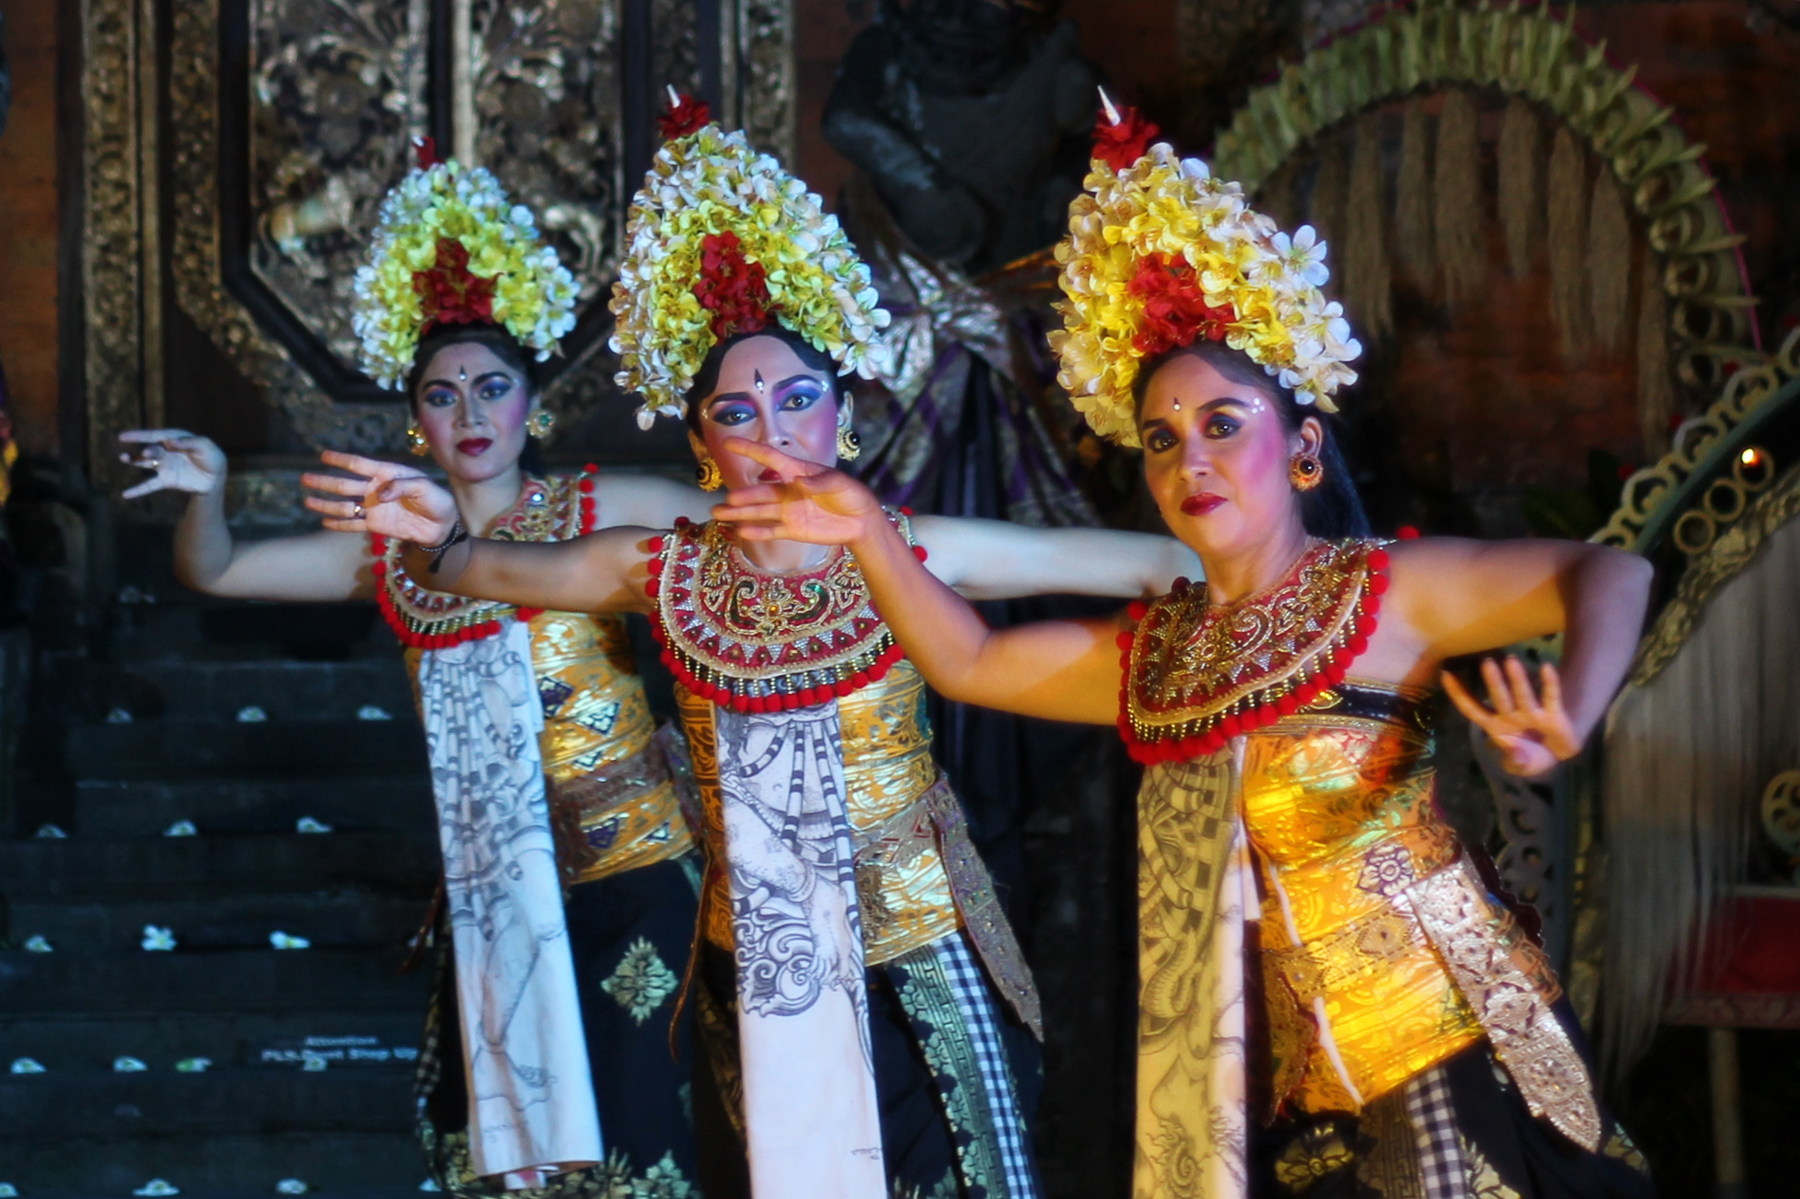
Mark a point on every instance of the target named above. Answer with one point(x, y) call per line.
point(756, 641)
point(556, 509)
point(1196, 675)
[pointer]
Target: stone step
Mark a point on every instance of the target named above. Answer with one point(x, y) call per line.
point(145, 807)
point(198, 867)
point(243, 1099)
point(237, 982)
point(341, 918)
point(201, 689)
point(335, 1165)
point(184, 625)
point(72, 1041)
point(184, 749)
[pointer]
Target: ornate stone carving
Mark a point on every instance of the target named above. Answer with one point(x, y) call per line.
point(112, 247)
point(336, 92)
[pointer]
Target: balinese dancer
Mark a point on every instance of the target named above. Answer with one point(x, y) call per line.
point(880, 999)
point(547, 1063)
point(1332, 999)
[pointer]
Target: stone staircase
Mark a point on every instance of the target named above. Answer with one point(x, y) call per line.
point(211, 715)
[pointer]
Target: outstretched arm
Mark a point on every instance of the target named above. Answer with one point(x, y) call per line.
point(1466, 597)
point(995, 559)
point(1060, 670)
point(602, 572)
point(315, 566)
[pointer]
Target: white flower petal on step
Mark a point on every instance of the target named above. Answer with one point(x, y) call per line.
point(37, 943)
point(158, 938)
point(118, 716)
point(372, 712)
point(306, 824)
point(291, 1186)
point(129, 1065)
point(281, 940)
point(27, 1065)
point(158, 1186)
point(181, 828)
point(251, 714)
point(193, 1065)
point(50, 832)
point(8, 1191)
point(431, 1186)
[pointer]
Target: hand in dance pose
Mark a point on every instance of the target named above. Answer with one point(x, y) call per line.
point(179, 460)
point(384, 498)
point(1533, 733)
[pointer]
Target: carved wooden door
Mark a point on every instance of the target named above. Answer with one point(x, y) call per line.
point(237, 152)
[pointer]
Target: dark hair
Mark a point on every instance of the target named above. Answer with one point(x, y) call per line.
point(1333, 510)
point(494, 338)
point(706, 379)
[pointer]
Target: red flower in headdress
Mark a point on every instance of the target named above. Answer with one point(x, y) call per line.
point(1175, 309)
point(1120, 143)
point(449, 294)
point(685, 115)
point(732, 288)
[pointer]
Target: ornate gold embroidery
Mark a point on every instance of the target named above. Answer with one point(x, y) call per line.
point(546, 511)
point(1197, 675)
point(1508, 982)
point(758, 641)
point(641, 981)
point(1310, 1156)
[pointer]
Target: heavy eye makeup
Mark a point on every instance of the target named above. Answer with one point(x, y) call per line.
point(489, 387)
point(790, 395)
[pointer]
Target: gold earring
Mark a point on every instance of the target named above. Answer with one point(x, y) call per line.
point(1305, 472)
point(415, 441)
point(540, 422)
point(708, 476)
point(849, 445)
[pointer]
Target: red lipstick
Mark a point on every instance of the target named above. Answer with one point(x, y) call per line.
point(473, 446)
point(1201, 503)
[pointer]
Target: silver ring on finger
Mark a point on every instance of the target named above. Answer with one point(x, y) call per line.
point(356, 511)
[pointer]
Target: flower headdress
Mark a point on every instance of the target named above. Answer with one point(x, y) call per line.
point(448, 249)
point(1160, 254)
point(721, 240)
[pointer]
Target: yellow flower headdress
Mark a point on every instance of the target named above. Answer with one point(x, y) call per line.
point(722, 240)
point(1160, 254)
point(449, 249)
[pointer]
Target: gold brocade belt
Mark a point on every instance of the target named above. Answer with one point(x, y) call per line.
point(1439, 932)
point(625, 814)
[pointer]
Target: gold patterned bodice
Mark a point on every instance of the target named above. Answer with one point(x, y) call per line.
point(902, 883)
point(1352, 856)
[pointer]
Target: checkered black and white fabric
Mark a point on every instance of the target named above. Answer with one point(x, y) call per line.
point(1442, 1167)
point(972, 993)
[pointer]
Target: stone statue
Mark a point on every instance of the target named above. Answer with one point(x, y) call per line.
point(972, 119)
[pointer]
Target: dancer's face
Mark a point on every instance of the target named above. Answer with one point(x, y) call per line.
point(765, 393)
point(472, 407)
point(1216, 457)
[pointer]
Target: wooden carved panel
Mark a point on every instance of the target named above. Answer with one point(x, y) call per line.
point(286, 121)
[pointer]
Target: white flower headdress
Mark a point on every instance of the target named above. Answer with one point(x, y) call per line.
point(722, 240)
point(449, 249)
point(1160, 254)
